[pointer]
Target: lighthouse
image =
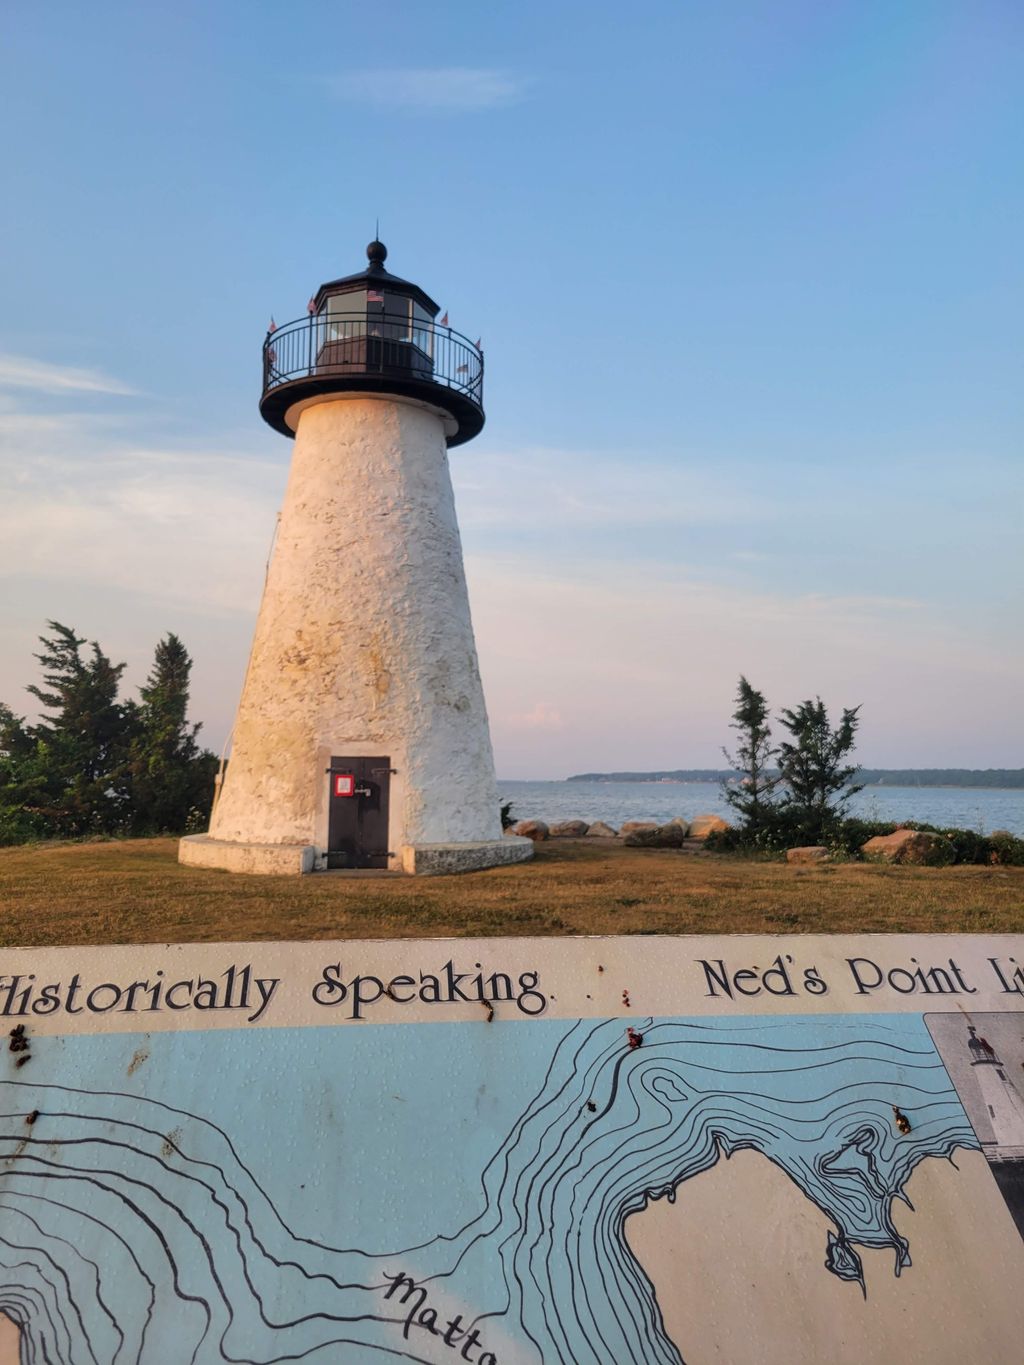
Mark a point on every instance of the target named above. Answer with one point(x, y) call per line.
point(361, 739)
point(1001, 1098)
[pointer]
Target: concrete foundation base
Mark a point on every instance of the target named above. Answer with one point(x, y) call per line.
point(199, 850)
point(435, 860)
point(422, 860)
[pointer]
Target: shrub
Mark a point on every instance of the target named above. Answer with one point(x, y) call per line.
point(846, 838)
point(1007, 849)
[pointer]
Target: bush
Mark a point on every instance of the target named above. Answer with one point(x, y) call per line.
point(18, 827)
point(1007, 849)
point(846, 838)
point(968, 845)
point(769, 839)
point(971, 847)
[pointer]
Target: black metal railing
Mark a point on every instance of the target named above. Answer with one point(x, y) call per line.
point(387, 346)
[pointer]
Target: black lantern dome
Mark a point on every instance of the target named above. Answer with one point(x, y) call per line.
point(372, 332)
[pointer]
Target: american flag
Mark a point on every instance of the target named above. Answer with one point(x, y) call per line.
point(462, 369)
point(374, 296)
point(272, 327)
point(311, 307)
point(444, 320)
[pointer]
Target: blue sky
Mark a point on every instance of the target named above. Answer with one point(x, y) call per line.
point(749, 281)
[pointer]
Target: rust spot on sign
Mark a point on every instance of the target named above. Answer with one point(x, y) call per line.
point(141, 1055)
point(170, 1142)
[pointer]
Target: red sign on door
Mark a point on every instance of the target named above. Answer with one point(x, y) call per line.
point(344, 784)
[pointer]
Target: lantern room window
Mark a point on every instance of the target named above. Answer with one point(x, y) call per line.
point(394, 317)
point(346, 315)
point(422, 331)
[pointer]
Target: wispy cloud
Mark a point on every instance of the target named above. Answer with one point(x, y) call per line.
point(442, 89)
point(19, 372)
point(609, 658)
point(541, 716)
point(191, 528)
point(644, 677)
point(578, 489)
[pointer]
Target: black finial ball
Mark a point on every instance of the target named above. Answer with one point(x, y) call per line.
point(376, 253)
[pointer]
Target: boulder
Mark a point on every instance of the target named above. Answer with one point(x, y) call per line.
point(684, 825)
point(599, 830)
point(631, 826)
point(704, 825)
point(536, 830)
point(569, 829)
point(808, 855)
point(912, 847)
point(659, 836)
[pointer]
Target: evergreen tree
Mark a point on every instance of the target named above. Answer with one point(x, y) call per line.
point(171, 777)
point(78, 768)
point(753, 800)
point(19, 780)
point(814, 770)
point(96, 765)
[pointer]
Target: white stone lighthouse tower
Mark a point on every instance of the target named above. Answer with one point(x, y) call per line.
point(361, 739)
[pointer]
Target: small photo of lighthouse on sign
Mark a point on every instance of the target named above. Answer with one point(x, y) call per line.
point(984, 1055)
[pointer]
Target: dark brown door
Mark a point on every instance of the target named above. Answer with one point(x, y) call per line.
point(357, 828)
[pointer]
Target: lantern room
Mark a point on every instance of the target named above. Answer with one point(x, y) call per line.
point(372, 333)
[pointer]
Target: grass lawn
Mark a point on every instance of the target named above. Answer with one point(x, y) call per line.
point(135, 892)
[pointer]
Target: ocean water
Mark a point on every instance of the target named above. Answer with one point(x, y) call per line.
point(980, 808)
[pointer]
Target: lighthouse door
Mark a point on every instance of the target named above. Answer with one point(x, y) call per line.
point(357, 826)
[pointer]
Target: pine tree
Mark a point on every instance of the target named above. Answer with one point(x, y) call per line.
point(73, 782)
point(171, 776)
point(753, 800)
point(812, 766)
point(18, 780)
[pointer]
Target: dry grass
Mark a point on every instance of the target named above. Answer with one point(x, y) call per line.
point(135, 892)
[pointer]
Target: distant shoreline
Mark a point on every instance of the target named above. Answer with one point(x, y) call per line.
point(982, 779)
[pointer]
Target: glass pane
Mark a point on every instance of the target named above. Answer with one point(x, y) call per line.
point(346, 315)
point(422, 335)
point(395, 316)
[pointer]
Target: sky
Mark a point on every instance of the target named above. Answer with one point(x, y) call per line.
point(749, 282)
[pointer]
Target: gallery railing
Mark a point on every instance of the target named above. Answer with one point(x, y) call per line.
point(388, 346)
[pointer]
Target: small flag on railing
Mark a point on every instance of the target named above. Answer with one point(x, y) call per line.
point(479, 343)
point(311, 307)
point(272, 327)
point(462, 369)
point(374, 296)
point(444, 320)
point(271, 355)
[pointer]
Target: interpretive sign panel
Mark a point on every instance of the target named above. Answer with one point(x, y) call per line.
point(596, 1151)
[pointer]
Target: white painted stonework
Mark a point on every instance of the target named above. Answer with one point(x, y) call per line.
point(363, 647)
